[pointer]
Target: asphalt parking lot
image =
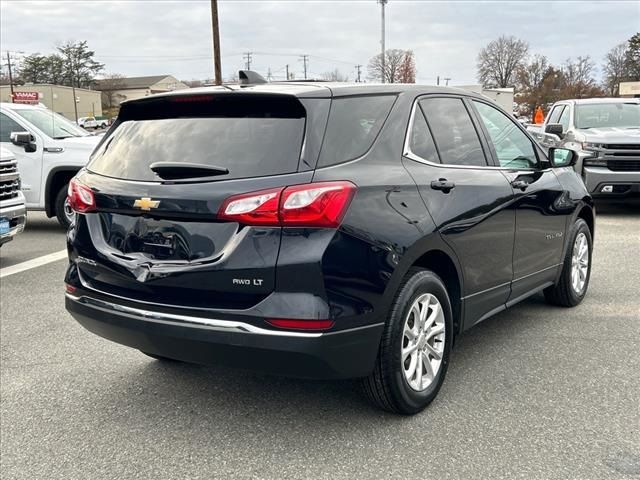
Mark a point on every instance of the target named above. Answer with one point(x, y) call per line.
point(536, 392)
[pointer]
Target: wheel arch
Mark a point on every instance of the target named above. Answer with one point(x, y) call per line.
point(433, 254)
point(58, 177)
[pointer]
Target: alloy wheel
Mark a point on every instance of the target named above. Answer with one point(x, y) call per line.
point(423, 342)
point(579, 263)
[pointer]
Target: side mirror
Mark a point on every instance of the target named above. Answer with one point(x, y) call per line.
point(562, 157)
point(23, 139)
point(554, 129)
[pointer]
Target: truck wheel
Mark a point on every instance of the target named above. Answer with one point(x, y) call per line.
point(414, 350)
point(62, 209)
point(576, 269)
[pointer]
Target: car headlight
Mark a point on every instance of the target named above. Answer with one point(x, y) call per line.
point(591, 146)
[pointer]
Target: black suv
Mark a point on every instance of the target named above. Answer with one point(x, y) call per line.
point(321, 230)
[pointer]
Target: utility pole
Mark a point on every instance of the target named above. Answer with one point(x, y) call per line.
point(382, 41)
point(217, 69)
point(305, 62)
point(269, 76)
point(247, 57)
point(287, 69)
point(438, 80)
point(358, 67)
point(10, 76)
point(446, 79)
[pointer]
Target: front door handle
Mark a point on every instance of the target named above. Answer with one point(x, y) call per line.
point(443, 185)
point(521, 184)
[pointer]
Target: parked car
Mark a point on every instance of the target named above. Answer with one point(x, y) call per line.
point(48, 157)
point(608, 131)
point(92, 122)
point(321, 230)
point(13, 212)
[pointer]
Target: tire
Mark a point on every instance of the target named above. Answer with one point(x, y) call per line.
point(59, 206)
point(564, 293)
point(160, 358)
point(388, 386)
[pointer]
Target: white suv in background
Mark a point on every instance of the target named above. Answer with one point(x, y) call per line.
point(48, 157)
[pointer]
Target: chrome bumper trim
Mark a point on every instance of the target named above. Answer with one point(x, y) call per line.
point(185, 320)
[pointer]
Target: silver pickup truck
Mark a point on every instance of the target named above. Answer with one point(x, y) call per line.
point(13, 212)
point(607, 130)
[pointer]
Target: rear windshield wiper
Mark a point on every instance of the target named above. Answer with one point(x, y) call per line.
point(182, 170)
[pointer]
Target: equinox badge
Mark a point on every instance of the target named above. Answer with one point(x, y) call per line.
point(146, 203)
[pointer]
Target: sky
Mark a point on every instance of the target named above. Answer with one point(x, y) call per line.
point(150, 37)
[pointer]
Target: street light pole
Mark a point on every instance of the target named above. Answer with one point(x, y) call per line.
point(216, 42)
point(382, 41)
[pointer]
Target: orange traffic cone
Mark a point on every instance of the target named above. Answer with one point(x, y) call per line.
point(538, 118)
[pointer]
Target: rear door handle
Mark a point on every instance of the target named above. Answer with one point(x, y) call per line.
point(521, 184)
point(443, 185)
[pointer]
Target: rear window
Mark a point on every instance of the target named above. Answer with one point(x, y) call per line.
point(354, 123)
point(248, 135)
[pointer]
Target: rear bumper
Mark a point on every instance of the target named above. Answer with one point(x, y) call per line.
point(16, 214)
point(624, 183)
point(330, 355)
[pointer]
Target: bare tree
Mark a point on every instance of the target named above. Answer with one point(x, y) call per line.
point(633, 57)
point(499, 61)
point(334, 76)
point(393, 60)
point(615, 68)
point(109, 87)
point(407, 70)
point(531, 81)
point(579, 81)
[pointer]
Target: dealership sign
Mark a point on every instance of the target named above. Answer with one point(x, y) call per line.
point(25, 97)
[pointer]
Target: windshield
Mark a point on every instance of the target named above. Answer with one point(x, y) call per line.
point(51, 124)
point(602, 115)
point(247, 147)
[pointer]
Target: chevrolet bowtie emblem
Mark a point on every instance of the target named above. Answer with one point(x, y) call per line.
point(146, 203)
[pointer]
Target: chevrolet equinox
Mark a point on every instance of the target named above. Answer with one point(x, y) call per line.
point(321, 230)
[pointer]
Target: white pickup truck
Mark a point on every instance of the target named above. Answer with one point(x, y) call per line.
point(49, 155)
point(607, 132)
point(92, 122)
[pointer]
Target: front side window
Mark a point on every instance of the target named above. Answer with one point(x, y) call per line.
point(8, 125)
point(564, 119)
point(513, 147)
point(353, 125)
point(453, 132)
point(555, 114)
point(50, 123)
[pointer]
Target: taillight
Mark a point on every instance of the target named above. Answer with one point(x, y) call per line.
point(80, 197)
point(295, 324)
point(311, 205)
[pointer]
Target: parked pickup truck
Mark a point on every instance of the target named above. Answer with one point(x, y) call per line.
point(50, 150)
point(13, 213)
point(607, 130)
point(92, 122)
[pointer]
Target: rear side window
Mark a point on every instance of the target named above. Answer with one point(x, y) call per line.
point(249, 136)
point(453, 131)
point(421, 142)
point(354, 123)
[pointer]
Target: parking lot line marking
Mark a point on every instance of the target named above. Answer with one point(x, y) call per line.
point(33, 263)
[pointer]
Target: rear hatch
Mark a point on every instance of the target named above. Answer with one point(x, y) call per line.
point(158, 182)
